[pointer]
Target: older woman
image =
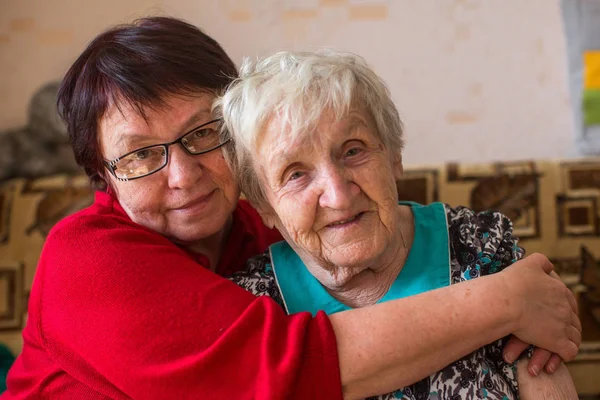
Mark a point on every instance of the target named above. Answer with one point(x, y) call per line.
point(318, 152)
point(130, 300)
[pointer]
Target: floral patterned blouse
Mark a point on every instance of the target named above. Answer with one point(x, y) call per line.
point(454, 244)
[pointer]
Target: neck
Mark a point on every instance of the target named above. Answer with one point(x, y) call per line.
point(371, 284)
point(212, 246)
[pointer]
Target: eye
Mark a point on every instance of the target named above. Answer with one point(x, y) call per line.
point(201, 133)
point(141, 155)
point(353, 152)
point(296, 175)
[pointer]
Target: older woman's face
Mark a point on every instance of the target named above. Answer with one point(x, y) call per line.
point(333, 194)
point(191, 198)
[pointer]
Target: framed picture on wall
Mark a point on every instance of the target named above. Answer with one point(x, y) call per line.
point(12, 298)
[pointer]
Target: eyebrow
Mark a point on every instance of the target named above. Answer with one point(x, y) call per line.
point(278, 158)
point(194, 121)
point(277, 164)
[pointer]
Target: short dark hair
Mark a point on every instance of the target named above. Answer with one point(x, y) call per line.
point(139, 64)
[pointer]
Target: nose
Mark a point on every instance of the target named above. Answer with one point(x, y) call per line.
point(338, 191)
point(184, 170)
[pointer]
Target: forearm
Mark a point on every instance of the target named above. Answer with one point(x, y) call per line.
point(182, 336)
point(419, 335)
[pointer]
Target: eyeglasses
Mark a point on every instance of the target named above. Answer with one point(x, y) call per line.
point(150, 159)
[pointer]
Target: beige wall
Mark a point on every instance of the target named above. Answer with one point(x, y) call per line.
point(474, 81)
point(39, 39)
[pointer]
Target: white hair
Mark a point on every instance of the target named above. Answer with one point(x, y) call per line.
point(298, 88)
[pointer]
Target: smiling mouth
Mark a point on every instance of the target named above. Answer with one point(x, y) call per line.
point(347, 221)
point(197, 202)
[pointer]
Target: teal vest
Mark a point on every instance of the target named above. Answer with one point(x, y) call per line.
point(427, 266)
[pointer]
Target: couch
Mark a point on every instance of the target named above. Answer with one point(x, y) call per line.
point(555, 206)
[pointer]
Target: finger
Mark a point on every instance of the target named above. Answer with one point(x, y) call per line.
point(569, 350)
point(553, 363)
point(572, 302)
point(554, 275)
point(538, 361)
point(513, 349)
point(576, 322)
point(575, 336)
point(541, 259)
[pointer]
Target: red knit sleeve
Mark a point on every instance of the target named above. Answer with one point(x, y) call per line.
point(124, 311)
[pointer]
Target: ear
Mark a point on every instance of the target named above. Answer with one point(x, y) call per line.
point(268, 216)
point(398, 167)
point(108, 181)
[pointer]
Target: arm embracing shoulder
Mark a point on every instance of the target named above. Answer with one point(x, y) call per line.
point(125, 311)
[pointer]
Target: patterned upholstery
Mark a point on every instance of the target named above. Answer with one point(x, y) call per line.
point(555, 207)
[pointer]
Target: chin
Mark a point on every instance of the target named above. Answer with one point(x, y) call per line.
point(190, 237)
point(355, 256)
point(197, 229)
point(339, 277)
point(345, 263)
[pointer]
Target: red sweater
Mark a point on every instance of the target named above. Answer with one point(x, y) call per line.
point(118, 311)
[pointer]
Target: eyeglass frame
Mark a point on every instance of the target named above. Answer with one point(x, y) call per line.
point(111, 164)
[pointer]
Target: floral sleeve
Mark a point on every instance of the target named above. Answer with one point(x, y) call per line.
point(480, 243)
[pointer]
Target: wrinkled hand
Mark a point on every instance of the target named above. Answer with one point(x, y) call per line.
point(559, 386)
point(541, 359)
point(547, 313)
